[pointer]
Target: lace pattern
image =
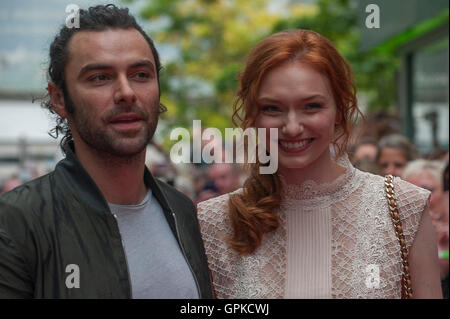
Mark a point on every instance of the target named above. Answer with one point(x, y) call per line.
point(363, 242)
point(234, 276)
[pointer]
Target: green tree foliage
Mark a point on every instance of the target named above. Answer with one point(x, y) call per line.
point(375, 71)
point(214, 38)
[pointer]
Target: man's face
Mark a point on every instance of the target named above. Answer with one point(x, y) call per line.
point(223, 177)
point(112, 82)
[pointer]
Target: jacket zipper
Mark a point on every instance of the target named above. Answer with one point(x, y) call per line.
point(126, 259)
point(185, 258)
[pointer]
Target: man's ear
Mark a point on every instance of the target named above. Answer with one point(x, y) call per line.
point(57, 99)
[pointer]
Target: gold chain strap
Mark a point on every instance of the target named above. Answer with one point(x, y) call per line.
point(406, 278)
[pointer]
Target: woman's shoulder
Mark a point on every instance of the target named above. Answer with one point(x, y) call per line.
point(406, 189)
point(215, 209)
point(215, 227)
point(216, 203)
point(401, 187)
point(411, 199)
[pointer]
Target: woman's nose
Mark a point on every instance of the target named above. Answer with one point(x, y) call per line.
point(292, 125)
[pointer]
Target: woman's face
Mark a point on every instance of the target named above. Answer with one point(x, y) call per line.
point(298, 101)
point(392, 161)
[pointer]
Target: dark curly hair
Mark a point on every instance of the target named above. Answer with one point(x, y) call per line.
point(97, 18)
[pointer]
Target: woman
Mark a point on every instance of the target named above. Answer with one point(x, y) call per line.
point(394, 153)
point(428, 175)
point(317, 228)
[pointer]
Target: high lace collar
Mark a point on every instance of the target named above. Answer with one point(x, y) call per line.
point(313, 193)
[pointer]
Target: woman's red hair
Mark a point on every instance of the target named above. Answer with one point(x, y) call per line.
point(252, 212)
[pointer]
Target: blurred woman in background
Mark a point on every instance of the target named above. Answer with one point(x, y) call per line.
point(429, 175)
point(394, 152)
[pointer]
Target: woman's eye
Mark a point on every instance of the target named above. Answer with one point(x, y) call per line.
point(270, 108)
point(313, 106)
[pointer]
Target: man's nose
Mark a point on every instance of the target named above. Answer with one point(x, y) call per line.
point(124, 93)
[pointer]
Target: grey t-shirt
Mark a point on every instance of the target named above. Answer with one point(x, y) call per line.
point(156, 263)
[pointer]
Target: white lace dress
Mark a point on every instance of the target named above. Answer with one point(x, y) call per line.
point(335, 240)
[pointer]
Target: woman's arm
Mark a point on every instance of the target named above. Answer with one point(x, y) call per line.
point(423, 261)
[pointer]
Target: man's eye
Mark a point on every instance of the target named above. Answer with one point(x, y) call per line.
point(98, 78)
point(142, 75)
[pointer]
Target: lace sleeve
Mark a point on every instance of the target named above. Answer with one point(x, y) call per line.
point(211, 216)
point(215, 228)
point(412, 202)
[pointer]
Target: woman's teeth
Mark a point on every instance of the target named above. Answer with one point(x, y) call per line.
point(291, 145)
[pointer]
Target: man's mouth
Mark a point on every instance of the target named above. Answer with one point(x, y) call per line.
point(126, 121)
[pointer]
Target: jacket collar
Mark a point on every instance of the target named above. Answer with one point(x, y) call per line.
point(83, 187)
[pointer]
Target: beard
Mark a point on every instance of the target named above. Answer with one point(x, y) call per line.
point(103, 138)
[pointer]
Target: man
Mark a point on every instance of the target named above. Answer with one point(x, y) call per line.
point(225, 177)
point(99, 225)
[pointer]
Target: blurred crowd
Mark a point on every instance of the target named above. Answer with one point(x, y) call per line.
point(390, 154)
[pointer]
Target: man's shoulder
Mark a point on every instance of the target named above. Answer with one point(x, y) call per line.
point(173, 195)
point(25, 195)
point(21, 212)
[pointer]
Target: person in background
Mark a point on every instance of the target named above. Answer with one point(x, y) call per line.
point(368, 166)
point(208, 191)
point(364, 153)
point(430, 175)
point(365, 150)
point(10, 183)
point(444, 238)
point(394, 152)
point(225, 176)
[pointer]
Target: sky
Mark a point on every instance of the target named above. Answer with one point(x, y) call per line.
point(27, 27)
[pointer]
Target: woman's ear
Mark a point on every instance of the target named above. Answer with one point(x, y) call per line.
point(57, 100)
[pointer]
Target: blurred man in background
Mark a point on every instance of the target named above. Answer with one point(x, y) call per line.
point(225, 176)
